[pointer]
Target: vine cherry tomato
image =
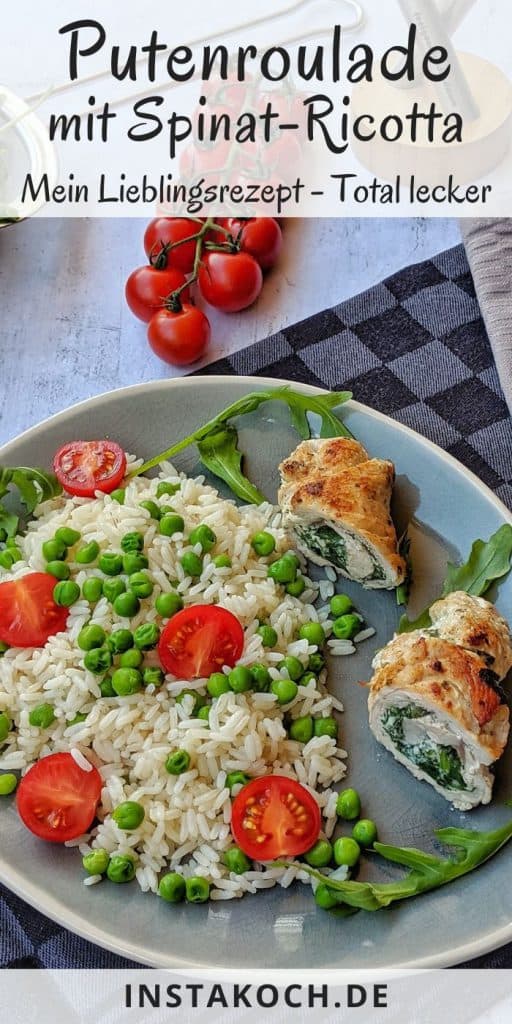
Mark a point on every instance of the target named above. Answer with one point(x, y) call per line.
point(164, 231)
point(57, 799)
point(199, 640)
point(230, 281)
point(273, 816)
point(148, 287)
point(179, 338)
point(261, 237)
point(28, 613)
point(83, 467)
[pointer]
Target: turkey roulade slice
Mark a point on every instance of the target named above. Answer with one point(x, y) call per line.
point(336, 505)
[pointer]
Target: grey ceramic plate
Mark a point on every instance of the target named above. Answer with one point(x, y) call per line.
point(283, 928)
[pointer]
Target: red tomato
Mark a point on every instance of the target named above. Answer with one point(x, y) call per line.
point(167, 230)
point(199, 640)
point(179, 338)
point(28, 613)
point(230, 281)
point(83, 467)
point(274, 817)
point(261, 237)
point(147, 288)
point(57, 799)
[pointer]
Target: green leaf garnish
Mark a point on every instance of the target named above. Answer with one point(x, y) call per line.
point(426, 870)
point(403, 591)
point(488, 561)
point(299, 405)
point(219, 453)
point(33, 487)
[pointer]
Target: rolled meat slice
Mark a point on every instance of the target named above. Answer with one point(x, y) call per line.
point(437, 706)
point(335, 502)
point(474, 623)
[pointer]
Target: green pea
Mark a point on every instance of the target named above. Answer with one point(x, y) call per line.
point(199, 700)
point(365, 832)
point(165, 488)
point(126, 681)
point(140, 584)
point(268, 636)
point(167, 510)
point(96, 862)
point(307, 678)
point(8, 783)
point(128, 815)
point(133, 562)
point(98, 661)
point(60, 570)
point(121, 868)
point(168, 604)
point(88, 553)
point(296, 588)
point(301, 729)
point(340, 604)
point(118, 495)
point(10, 543)
point(261, 678)
point(316, 663)
point(7, 559)
point(217, 684)
point(240, 679)
point(66, 593)
point(92, 589)
point(346, 627)
point(285, 690)
point(222, 562)
point(312, 632)
point(65, 535)
point(5, 726)
point(126, 605)
point(77, 720)
point(152, 508)
point(120, 640)
point(204, 713)
point(112, 588)
point(320, 855)
point(263, 543)
point(197, 890)
point(132, 542)
point(325, 898)
point(171, 524)
point(146, 636)
point(131, 659)
point(236, 860)
point(153, 676)
point(204, 536)
point(54, 550)
point(178, 762)
point(326, 727)
point(42, 716)
point(3, 648)
point(348, 805)
point(293, 666)
point(172, 887)
point(106, 688)
point(91, 636)
point(282, 571)
point(346, 851)
point(236, 779)
point(110, 563)
point(191, 563)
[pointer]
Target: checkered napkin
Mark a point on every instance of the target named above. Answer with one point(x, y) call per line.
point(414, 347)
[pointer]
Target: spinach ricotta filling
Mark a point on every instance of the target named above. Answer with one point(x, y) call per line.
point(327, 543)
point(441, 763)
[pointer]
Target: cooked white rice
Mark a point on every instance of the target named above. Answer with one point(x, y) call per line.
point(187, 817)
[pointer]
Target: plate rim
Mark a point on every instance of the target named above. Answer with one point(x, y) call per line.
point(72, 921)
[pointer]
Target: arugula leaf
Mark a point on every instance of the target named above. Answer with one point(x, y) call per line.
point(488, 561)
point(299, 405)
point(403, 591)
point(426, 870)
point(33, 486)
point(219, 453)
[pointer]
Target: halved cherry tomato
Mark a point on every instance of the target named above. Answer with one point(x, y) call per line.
point(199, 640)
point(230, 281)
point(179, 338)
point(83, 467)
point(164, 231)
point(57, 799)
point(148, 287)
point(273, 816)
point(28, 613)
